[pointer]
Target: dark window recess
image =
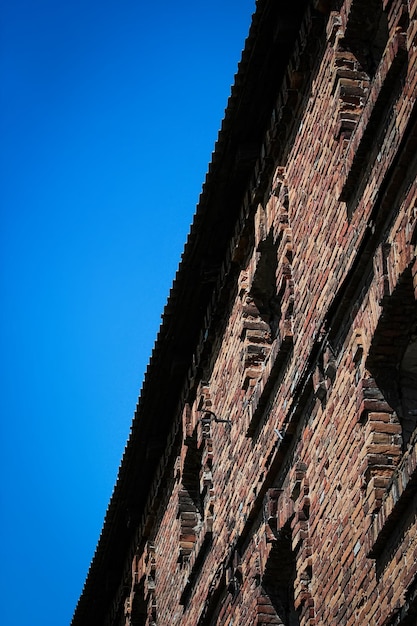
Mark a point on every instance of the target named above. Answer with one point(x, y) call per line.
point(387, 404)
point(190, 501)
point(392, 358)
point(140, 606)
point(357, 57)
point(276, 605)
point(268, 319)
point(378, 122)
point(264, 285)
point(367, 33)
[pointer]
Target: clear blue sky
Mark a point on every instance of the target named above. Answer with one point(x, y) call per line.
point(109, 114)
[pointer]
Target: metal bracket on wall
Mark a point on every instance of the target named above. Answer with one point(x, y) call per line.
point(209, 416)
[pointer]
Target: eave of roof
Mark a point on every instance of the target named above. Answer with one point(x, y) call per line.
point(257, 81)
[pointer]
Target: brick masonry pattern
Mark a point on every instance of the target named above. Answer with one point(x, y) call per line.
point(289, 495)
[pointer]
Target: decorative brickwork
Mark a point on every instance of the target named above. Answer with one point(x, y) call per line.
point(271, 472)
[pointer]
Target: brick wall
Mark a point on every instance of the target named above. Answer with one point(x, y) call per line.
point(290, 493)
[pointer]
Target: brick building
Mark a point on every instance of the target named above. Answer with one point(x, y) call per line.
point(270, 473)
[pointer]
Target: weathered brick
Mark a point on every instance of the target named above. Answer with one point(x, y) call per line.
point(299, 488)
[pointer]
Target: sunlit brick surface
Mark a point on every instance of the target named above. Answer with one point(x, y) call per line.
point(285, 491)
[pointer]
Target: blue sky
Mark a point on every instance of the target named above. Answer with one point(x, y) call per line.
point(109, 114)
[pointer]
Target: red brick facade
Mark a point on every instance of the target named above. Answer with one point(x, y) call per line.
point(270, 476)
